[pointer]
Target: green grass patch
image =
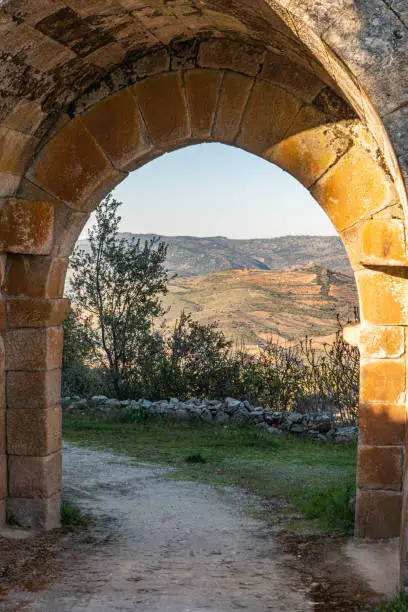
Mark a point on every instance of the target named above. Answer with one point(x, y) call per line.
point(71, 515)
point(316, 479)
point(398, 604)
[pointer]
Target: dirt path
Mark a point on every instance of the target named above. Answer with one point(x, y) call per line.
point(157, 544)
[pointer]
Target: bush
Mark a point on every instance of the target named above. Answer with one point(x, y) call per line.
point(196, 360)
point(71, 516)
point(398, 604)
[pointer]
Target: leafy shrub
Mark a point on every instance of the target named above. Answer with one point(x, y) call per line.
point(71, 515)
point(398, 604)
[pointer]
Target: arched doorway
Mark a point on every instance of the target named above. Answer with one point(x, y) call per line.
point(61, 154)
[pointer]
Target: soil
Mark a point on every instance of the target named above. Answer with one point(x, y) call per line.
point(154, 543)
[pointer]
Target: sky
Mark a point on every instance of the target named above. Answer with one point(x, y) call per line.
point(217, 190)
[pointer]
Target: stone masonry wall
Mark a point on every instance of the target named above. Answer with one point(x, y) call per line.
point(316, 425)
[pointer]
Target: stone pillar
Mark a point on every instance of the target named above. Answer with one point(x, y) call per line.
point(33, 351)
point(383, 288)
point(380, 452)
point(382, 422)
point(3, 456)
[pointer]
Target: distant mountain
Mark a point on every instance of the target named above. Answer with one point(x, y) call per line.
point(191, 255)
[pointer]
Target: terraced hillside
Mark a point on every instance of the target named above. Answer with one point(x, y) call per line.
point(253, 305)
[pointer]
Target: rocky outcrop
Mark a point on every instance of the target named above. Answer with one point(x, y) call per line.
point(316, 425)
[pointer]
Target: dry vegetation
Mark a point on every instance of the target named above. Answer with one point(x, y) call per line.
point(255, 305)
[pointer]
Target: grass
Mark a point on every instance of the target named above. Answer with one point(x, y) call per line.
point(71, 515)
point(315, 479)
point(399, 604)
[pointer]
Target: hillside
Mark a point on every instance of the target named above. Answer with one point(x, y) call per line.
point(253, 305)
point(190, 255)
point(285, 287)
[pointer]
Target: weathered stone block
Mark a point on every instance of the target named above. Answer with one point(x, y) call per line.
point(25, 312)
point(382, 381)
point(2, 313)
point(382, 424)
point(108, 56)
point(8, 184)
point(378, 514)
point(67, 228)
point(383, 297)
point(234, 94)
point(233, 55)
point(281, 70)
point(2, 429)
point(382, 342)
point(267, 117)
point(26, 226)
point(117, 126)
point(379, 467)
point(33, 389)
point(308, 118)
point(34, 432)
point(34, 349)
point(356, 186)
point(3, 477)
point(351, 242)
point(383, 242)
point(162, 103)
point(34, 476)
point(35, 513)
point(26, 116)
point(153, 63)
point(202, 87)
point(36, 277)
point(73, 168)
point(16, 150)
point(309, 154)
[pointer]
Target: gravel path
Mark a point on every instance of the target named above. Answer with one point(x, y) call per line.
point(164, 545)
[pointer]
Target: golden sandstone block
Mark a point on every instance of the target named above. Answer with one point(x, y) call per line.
point(26, 226)
point(309, 154)
point(379, 467)
point(34, 476)
point(383, 242)
point(378, 514)
point(234, 94)
point(354, 187)
point(382, 423)
point(162, 103)
point(72, 167)
point(267, 117)
point(36, 312)
point(34, 431)
point(382, 381)
point(34, 348)
point(37, 277)
point(117, 126)
point(33, 389)
point(202, 87)
point(383, 297)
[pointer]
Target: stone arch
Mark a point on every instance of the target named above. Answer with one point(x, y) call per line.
point(259, 79)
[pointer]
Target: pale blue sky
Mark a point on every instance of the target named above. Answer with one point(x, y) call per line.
point(216, 190)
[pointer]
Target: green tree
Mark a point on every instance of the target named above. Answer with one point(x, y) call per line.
point(79, 342)
point(118, 285)
point(196, 358)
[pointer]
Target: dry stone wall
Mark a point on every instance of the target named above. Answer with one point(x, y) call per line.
point(316, 425)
